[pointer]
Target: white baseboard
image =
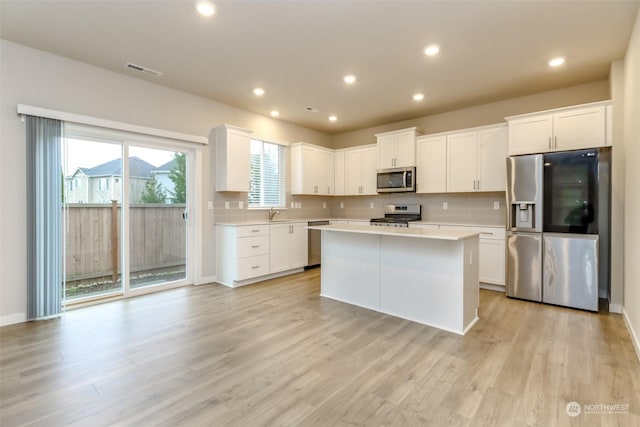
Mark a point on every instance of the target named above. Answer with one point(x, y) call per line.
point(13, 319)
point(205, 280)
point(492, 287)
point(615, 308)
point(632, 333)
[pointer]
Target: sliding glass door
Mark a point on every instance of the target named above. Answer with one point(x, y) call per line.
point(125, 222)
point(92, 188)
point(157, 216)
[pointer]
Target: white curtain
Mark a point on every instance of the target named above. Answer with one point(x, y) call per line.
point(44, 216)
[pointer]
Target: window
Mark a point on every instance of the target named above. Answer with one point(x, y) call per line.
point(267, 175)
point(103, 184)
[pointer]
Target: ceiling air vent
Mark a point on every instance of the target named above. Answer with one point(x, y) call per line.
point(142, 69)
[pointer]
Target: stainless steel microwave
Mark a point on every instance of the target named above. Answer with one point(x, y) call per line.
point(396, 180)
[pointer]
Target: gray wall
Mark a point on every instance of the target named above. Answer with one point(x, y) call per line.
point(33, 77)
point(483, 114)
point(631, 131)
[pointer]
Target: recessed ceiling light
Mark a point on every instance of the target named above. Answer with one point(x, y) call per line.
point(432, 50)
point(418, 97)
point(275, 113)
point(205, 8)
point(556, 62)
point(350, 79)
point(258, 91)
point(333, 118)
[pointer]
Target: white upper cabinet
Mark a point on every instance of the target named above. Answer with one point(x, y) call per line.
point(312, 170)
point(492, 158)
point(562, 129)
point(232, 148)
point(531, 134)
point(462, 159)
point(397, 148)
point(581, 128)
point(360, 171)
point(338, 173)
point(476, 160)
point(431, 164)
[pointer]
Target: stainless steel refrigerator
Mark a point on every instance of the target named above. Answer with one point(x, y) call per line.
point(558, 227)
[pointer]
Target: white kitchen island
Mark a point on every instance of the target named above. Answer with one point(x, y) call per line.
point(427, 276)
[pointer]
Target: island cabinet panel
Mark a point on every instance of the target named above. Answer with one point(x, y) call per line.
point(355, 261)
point(426, 276)
point(402, 289)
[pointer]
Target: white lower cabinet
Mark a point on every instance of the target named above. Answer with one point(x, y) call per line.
point(250, 253)
point(492, 251)
point(242, 253)
point(288, 249)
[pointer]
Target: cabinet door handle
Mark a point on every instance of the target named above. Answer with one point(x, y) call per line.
point(486, 234)
point(253, 267)
point(255, 246)
point(555, 142)
point(478, 184)
point(255, 231)
point(549, 143)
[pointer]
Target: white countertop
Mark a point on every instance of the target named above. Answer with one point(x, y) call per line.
point(267, 222)
point(400, 231)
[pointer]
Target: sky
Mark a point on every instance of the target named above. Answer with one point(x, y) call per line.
point(88, 154)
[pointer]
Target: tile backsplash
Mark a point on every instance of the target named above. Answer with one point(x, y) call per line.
point(463, 208)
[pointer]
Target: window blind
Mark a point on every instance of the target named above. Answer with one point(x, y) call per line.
point(268, 168)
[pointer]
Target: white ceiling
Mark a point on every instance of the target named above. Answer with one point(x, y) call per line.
point(298, 51)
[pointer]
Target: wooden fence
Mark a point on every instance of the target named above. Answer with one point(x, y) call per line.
point(157, 239)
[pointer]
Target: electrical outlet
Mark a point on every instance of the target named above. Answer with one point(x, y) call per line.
point(227, 205)
point(324, 205)
point(371, 205)
point(341, 205)
point(445, 205)
point(210, 204)
point(293, 205)
point(240, 204)
point(496, 205)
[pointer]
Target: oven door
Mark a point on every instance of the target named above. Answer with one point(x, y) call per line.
point(397, 180)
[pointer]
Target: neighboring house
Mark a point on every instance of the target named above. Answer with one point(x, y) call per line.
point(162, 176)
point(101, 184)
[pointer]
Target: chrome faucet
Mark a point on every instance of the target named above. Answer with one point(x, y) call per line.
point(272, 214)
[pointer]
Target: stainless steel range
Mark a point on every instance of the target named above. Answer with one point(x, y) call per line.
point(398, 216)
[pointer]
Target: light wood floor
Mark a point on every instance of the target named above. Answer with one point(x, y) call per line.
point(277, 354)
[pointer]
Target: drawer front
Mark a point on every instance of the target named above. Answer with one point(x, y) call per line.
point(252, 266)
point(252, 246)
point(253, 230)
point(491, 233)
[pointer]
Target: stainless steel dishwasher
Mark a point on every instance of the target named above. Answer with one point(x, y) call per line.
point(315, 244)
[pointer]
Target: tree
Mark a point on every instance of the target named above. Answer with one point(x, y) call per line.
point(178, 176)
point(153, 192)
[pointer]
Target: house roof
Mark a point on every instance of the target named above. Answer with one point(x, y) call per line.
point(137, 168)
point(166, 167)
